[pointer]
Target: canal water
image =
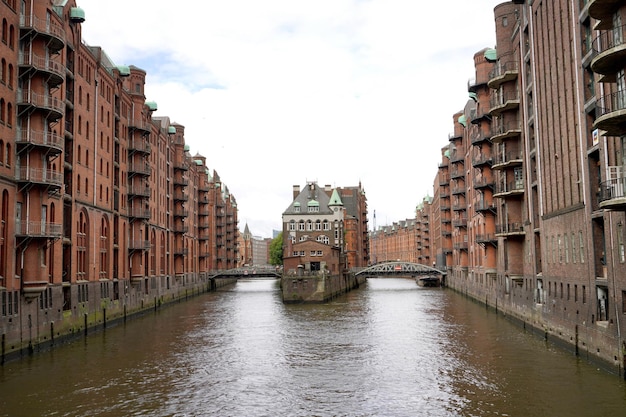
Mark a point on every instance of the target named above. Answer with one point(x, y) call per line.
point(389, 348)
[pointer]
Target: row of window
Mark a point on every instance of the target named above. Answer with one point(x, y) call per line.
point(566, 248)
point(310, 209)
point(10, 303)
point(309, 225)
point(312, 253)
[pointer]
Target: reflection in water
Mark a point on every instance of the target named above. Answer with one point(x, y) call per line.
point(390, 348)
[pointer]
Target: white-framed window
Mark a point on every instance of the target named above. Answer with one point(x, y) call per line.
point(323, 239)
point(326, 225)
point(292, 226)
point(320, 253)
point(318, 225)
point(309, 225)
point(312, 253)
point(301, 226)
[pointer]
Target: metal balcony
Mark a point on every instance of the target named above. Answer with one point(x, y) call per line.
point(29, 100)
point(613, 194)
point(503, 72)
point(507, 159)
point(39, 176)
point(53, 70)
point(610, 53)
point(611, 114)
point(512, 188)
point(603, 10)
point(38, 229)
point(503, 131)
point(53, 32)
point(506, 101)
point(48, 140)
point(510, 229)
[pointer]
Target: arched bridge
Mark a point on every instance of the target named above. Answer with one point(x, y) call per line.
point(250, 272)
point(425, 275)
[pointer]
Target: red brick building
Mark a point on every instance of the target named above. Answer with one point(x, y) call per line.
point(534, 175)
point(104, 211)
point(325, 228)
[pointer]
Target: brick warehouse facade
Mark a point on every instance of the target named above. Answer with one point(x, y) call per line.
point(529, 197)
point(104, 210)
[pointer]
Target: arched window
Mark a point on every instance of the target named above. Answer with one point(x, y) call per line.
point(9, 114)
point(12, 37)
point(1, 152)
point(78, 185)
point(3, 73)
point(5, 31)
point(7, 156)
point(104, 248)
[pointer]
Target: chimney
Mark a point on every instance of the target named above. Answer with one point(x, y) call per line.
point(296, 191)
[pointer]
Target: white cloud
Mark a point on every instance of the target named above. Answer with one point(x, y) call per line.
point(278, 92)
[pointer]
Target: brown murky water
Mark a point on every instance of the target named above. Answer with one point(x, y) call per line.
point(389, 348)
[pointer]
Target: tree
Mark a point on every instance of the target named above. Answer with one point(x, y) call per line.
point(276, 250)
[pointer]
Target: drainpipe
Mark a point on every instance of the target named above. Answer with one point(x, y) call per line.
point(95, 247)
point(617, 313)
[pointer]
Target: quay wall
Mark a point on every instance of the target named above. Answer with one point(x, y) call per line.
point(317, 288)
point(46, 322)
point(571, 330)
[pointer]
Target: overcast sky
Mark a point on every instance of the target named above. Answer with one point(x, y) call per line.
point(280, 92)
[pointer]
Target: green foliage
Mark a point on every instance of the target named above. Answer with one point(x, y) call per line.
point(276, 250)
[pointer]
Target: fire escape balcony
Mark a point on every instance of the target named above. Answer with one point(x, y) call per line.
point(460, 221)
point(503, 72)
point(613, 194)
point(480, 138)
point(181, 181)
point(180, 228)
point(503, 131)
point(458, 189)
point(487, 238)
point(611, 114)
point(510, 229)
point(609, 53)
point(457, 173)
point(483, 206)
point(38, 230)
point(140, 125)
point(181, 212)
point(457, 155)
point(140, 169)
point(51, 142)
point(503, 160)
point(139, 191)
point(54, 32)
point(444, 180)
point(139, 213)
point(30, 101)
point(482, 160)
point(138, 245)
point(181, 165)
point(181, 251)
point(509, 189)
point(53, 70)
point(482, 183)
point(506, 101)
point(180, 196)
point(602, 11)
point(39, 176)
point(459, 207)
point(137, 145)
